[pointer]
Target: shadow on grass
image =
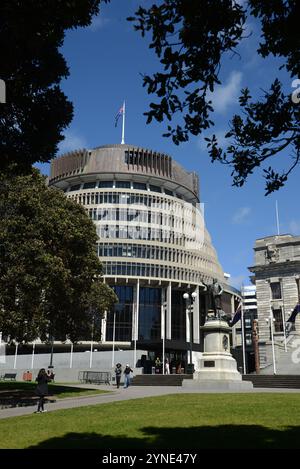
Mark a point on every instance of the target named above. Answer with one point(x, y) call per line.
point(206, 437)
point(19, 394)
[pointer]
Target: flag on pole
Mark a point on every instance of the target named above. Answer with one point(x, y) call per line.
point(295, 311)
point(119, 114)
point(237, 315)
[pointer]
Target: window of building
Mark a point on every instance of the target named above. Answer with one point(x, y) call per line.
point(278, 324)
point(178, 317)
point(123, 184)
point(154, 188)
point(140, 186)
point(149, 314)
point(168, 192)
point(89, 185)
point(76, 187)
point(276, 290)
point(248, 338)
point(123, 316)
point(104, 184)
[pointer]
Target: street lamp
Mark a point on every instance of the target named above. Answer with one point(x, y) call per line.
point(270, 320)
point(190, 298)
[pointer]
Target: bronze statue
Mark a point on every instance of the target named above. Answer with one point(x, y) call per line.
point(215, 310)
point(216, 291)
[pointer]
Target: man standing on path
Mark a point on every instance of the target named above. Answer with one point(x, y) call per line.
point(127, 372)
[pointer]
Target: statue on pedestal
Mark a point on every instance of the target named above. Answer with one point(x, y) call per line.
point(215, 310)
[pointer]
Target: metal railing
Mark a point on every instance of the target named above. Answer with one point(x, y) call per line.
point(95, 377)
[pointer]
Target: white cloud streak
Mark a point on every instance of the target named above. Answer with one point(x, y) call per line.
point(241, 215)
point(238, 280)
point(227, 95)
point(294, 227)
point(98, 22)
point(72, 141)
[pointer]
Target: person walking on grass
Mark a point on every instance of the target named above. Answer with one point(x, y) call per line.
point(127, 372)
point(42, 389)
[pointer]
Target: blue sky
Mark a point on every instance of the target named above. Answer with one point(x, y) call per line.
point(106, 61)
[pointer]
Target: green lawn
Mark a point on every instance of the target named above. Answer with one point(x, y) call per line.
point(174, 421)
point(21, 390)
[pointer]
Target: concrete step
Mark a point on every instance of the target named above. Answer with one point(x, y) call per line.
point(274, 381)
point(160, 380)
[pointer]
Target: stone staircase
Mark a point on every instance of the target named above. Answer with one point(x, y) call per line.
point(287, 362)
point(160, 380)
point(274, 381)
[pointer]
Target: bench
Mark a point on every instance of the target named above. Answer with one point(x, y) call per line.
point(95, 377)
point(10, 376)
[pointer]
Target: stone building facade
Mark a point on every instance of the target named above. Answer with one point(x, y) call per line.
point(276, 276)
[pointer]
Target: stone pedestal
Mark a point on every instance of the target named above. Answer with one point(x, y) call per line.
point(218, 369)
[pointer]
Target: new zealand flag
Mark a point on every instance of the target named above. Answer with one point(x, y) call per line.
point(295, 311)
point(237, 315)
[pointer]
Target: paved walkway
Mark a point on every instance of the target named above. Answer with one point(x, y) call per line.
point(133, 392)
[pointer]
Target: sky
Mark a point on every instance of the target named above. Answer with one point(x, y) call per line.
point(107, 61)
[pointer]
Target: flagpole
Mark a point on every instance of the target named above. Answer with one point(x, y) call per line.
point(123, 125)
point(277, 218)
point(272, 339)
point(283, 323)
point(163, 336)
point(243, 330)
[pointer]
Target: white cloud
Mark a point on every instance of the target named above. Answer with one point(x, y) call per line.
point(222, 141)
point(226, 95)
point(241, 215)
point(72, 141)
point(294, 227)
point(98, 22)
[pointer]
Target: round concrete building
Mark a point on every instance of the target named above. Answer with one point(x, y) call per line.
point(152, 243)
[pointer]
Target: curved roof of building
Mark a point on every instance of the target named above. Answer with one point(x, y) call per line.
point(121, 160)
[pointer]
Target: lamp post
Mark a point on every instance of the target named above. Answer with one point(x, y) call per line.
point(270, 320)
point(190, 298)
point(113, 344)
point(92, 341)
point(51, 354)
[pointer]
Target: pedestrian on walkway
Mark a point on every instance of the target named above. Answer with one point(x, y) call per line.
point(42, 389)
point(127, 372)
point(118, 373)
point(167, 366)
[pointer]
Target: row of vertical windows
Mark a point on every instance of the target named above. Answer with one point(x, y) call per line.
point(139, 216)
point(123, 316)
point(101, 197)
point(150, 314)
point(154, 252)
point(174, 237)
point(120, 185)
point(151, 270)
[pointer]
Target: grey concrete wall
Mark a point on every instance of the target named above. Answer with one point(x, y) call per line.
point(102, 361)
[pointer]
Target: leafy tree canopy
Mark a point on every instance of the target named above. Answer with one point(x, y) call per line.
point(190, 39)
point(50, 274)
point(32, 66)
